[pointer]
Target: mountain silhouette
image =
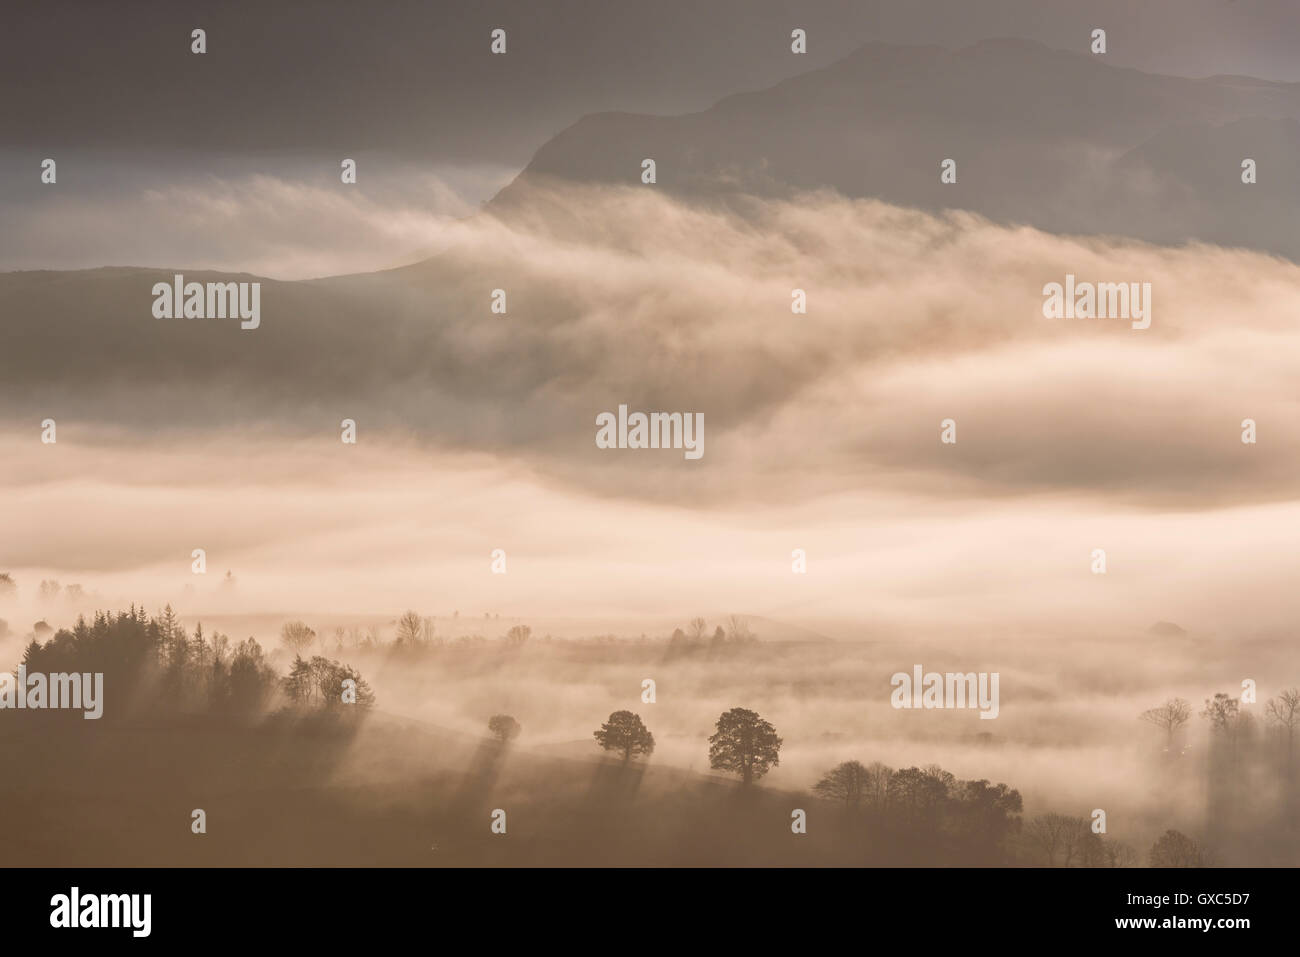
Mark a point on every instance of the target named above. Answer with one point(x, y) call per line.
point(1057, 140)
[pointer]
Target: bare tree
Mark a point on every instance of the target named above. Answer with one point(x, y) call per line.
point(696, 628)
point(847, 782)
point(1083, 847)
point(296, 636)
point(1224, 714)
point(409, 628)
point(1176, 849)
point(1118, 854)
point(877, 784)
point(1169, 717)
point(738, 629)
point(1051, 834)
point(1284, 711)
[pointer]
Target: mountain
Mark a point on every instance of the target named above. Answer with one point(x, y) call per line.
point(1057, 140)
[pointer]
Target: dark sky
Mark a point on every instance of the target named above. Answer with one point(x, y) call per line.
point(416, 78)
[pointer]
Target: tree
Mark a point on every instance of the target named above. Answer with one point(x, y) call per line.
point(330, 676)
point(916, 797)
point(1222, 712)
point(1284, 711)
point(1117, 854)
point(296, 636)
point(847, 782)
point(1225, 718)
point(409, 627)
point(7, 585)
point(625, 732)
point(985, 815)
point(325, 678)
point(251, 678)
point(695, 629)
point(503, 727)
point(1175, 849)
point(1083, 847)
point(32, 655)
point(744, 744)
point(518, 634)
point(877, 784)
point(1052, 833)
point(738, 630)
point(298, 684)
point(1169, 717)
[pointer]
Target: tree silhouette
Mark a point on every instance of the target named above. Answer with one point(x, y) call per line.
point(503, 727)
point(847, 782)
point(878, 778)
point(409, 628)
point(1175, 849)
point(984, 815)
point(625, 732)
point(738, 630)
point(1169, 717)
point(1117, 854)
point(744, 744)
point(1224, 714)
point(1284, 711)
point(917, 797)
point(1053, 834)
point(319, 676)
point(296, 636)
point(298, 684)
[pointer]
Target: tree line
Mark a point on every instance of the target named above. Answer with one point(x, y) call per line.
point(908, 815)
point(152, 663)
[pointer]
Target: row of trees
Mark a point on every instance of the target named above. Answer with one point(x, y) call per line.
point(696, 638)
point(48, 590)
point(414, 632)
point(927, 814)
point(742, 742)
point(920, 814)
point(1251, 787)
point(1229, 721)
point(152, 663)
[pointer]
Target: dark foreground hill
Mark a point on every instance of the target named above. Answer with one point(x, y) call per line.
point(392, 794)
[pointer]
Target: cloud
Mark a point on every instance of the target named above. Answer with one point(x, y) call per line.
point(624, 296)
point(289, 217)
point(477, 431)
